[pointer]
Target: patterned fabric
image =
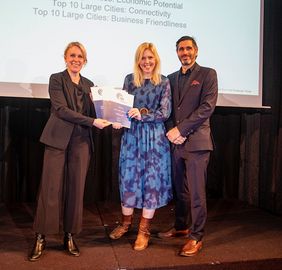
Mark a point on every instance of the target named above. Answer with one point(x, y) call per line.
point(145, 164)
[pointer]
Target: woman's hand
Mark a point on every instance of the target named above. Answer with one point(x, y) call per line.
point(101, 123)
point(134, 113)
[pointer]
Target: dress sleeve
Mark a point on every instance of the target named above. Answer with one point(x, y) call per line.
point(126, 84)
point(162, 113)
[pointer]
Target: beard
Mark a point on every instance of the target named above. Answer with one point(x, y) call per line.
point(185, 62)
point(190, 60)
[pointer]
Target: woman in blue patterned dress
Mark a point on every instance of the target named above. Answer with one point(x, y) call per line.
point(144, 165)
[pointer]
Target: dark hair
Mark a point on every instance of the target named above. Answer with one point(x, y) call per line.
point(187, 38)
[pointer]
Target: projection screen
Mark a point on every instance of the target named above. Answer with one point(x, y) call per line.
point(34, 34)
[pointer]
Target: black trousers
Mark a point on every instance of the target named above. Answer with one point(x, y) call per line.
point(189, 180)
point(60, 198)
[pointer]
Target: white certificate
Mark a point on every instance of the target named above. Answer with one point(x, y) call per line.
point(112, 104)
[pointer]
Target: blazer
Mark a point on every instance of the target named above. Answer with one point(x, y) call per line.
point(63, 118)
point(191, 111)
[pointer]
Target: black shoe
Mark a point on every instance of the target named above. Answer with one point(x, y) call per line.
point(39, 246)
point(70, 246)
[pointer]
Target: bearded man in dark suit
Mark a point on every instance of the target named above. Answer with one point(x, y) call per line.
point(194, 91)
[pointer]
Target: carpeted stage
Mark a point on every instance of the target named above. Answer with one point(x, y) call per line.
point(238, 236)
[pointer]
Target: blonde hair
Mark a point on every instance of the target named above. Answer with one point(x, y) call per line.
point(138, 73)
point(80, 46)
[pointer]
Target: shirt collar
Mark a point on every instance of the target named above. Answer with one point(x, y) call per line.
point(188, 71)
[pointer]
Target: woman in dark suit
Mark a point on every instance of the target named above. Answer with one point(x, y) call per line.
point(68, 143)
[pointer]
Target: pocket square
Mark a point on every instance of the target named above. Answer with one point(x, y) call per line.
point(195, 82)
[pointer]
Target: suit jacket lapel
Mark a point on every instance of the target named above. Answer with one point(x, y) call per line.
point(187, 85)
point(69, 90)
point(176, 89)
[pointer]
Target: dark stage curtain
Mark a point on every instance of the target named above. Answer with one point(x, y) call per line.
point(246, 165)
point(22, 122)
point(270, 140)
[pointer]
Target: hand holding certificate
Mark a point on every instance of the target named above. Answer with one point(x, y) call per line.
point(112, 104)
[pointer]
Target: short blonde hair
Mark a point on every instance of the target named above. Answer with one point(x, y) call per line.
point(138, 73)
point(80, 46)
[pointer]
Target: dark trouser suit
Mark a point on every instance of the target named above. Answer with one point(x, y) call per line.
point(189, 179)
point(62, 187)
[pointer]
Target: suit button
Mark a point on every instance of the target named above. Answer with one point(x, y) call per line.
point(177, 121)
point(178, 108)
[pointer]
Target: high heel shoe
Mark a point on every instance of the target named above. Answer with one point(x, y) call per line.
point(70, 246)
point(38, 247)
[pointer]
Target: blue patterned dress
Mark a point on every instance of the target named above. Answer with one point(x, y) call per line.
point(145, 164)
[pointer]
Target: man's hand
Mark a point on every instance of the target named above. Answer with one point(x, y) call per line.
point(175, 137)
point(179, 140)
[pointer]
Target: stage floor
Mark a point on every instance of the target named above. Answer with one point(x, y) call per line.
point(237, 236)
